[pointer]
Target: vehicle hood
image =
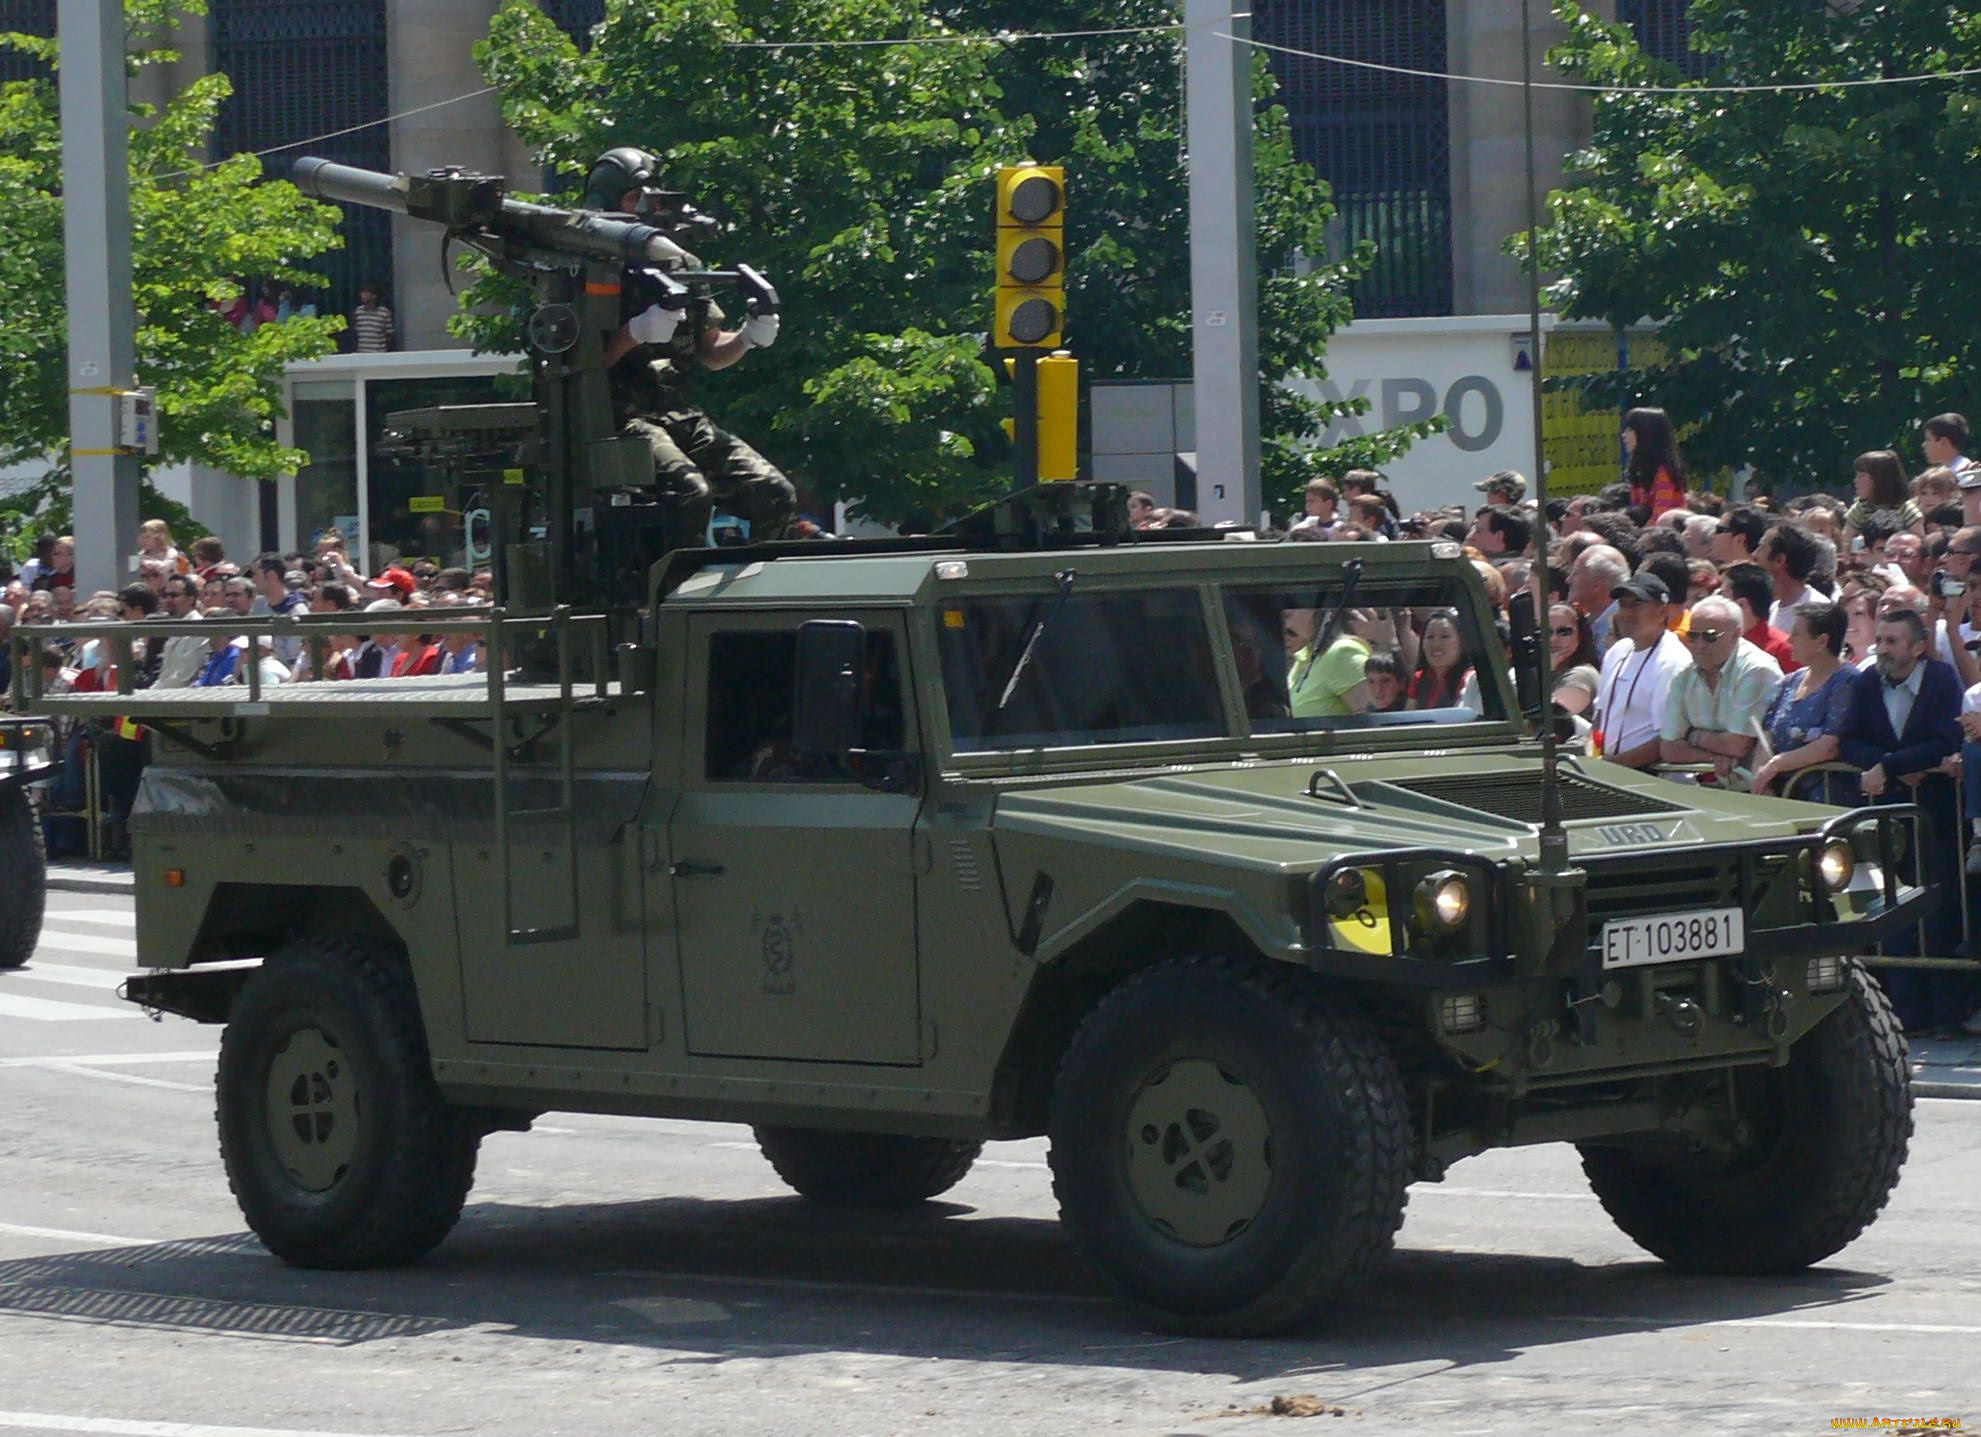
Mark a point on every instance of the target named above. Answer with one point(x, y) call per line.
point(1290, 814)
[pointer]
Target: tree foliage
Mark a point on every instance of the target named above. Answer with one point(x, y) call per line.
point(1807, 254)
point(195, 230)
point(860, 179)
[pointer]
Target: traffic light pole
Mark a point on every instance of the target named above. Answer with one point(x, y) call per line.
point(1025, 418)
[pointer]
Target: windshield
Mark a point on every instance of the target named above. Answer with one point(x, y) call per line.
point(1396, 653)
point(1103, 668)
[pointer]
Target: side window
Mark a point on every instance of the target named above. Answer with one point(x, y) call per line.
point(752, 680)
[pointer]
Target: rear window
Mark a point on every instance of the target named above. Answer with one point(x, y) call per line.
point(1102, 668)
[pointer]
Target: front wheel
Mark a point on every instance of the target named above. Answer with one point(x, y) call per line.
point(24, 892)
point(1826, 1138)
point(337, 1142)
point(1230, 1145)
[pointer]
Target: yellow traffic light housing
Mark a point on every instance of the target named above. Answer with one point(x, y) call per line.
point(1031, 257)
point(1059, 417)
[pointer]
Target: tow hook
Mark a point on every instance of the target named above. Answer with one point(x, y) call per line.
point(1763, 1006)
point(1684, 1015)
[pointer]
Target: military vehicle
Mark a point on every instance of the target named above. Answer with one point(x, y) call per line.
point(26, 758)
point(892, 848)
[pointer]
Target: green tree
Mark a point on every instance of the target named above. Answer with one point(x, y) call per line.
point(195, 230)
point(860, 179)
point(1806, 254)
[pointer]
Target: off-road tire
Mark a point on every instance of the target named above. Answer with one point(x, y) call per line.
point(1272, 1104)
point(24, 890)
point(331, 1028)
point(1830, 1136)
point(865, 1169)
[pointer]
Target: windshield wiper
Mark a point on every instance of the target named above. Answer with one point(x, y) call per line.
point(1064, 579)
point(1329, 622)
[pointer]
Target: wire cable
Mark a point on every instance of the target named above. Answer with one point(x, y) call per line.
point(1451, 77)
point(1005, 37)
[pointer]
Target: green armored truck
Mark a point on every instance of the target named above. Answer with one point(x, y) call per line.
point(891, 849)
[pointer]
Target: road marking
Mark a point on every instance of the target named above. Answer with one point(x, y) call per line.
point(119, 1427)
point(105, 1075)
point(108, 1060)
point(88, 943)
point(1795, 1323)
point(114, 917)
point(104, 980)
point(42, 1010)
point(97, 1239)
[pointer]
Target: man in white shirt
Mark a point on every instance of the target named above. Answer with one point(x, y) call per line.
point(1790, 554)
point(1637, 674)
point(1944, 442)
point(1716, 707)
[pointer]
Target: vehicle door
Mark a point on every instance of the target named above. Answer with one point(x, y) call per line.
point(793, 881)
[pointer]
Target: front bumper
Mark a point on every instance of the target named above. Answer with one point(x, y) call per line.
point(1527, 925)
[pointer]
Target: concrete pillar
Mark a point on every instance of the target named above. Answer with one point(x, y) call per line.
point(1224, 270)
point(430, 45)
point(1488, 147)
point(96, 235)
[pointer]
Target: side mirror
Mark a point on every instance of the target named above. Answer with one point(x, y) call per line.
point(827, 720)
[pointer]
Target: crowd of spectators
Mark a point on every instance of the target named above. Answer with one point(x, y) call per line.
point(1826, 648)
point(203, 584)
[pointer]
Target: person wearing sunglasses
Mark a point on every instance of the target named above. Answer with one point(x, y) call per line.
point(1715, 708)
point(1572, 659)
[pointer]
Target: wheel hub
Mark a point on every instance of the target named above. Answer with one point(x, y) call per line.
point(1199, 1152)
point(312, 1109)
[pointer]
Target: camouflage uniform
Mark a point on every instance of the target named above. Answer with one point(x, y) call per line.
point(695, 463)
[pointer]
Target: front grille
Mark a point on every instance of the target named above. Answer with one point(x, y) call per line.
point(1518, 796)
point(1679, 882)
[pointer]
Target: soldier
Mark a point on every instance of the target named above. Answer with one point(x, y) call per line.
point(694, 461)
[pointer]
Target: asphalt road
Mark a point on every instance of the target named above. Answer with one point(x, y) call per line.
point(618, 1276)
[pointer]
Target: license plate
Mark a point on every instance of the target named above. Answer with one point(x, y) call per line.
point(1674, 937)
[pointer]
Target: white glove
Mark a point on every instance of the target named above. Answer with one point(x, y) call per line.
point(760, 331)
point(654, 325)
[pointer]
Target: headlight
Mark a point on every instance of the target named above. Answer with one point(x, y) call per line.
point(1836, 863)
point(1442, 901)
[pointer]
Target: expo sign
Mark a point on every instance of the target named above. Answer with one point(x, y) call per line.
point(1472, 401)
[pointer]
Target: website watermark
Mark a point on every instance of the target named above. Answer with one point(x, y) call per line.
point(1896, 1424)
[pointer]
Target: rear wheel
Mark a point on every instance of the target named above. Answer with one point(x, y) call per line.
point(337, 1143)
point(1826, 1137)
point(24, 894)
point(865, 1169)
point(1230, 1145)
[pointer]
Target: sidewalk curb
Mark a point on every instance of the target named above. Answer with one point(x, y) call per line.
point(1971, 1092)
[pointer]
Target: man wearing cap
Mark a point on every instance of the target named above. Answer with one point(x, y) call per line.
point(651, 360)
point(395, 581)
point(1715, 709)
point(1637, 674)
point(1508, 486)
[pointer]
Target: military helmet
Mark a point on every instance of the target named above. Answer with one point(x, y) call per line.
point(617, 171)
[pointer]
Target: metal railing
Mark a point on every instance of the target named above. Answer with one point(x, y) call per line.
point(505, 635)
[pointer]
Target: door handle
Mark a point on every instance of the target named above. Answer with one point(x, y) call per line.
point(688, 868)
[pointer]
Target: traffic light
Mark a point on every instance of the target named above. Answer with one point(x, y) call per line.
point(1031, 257)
